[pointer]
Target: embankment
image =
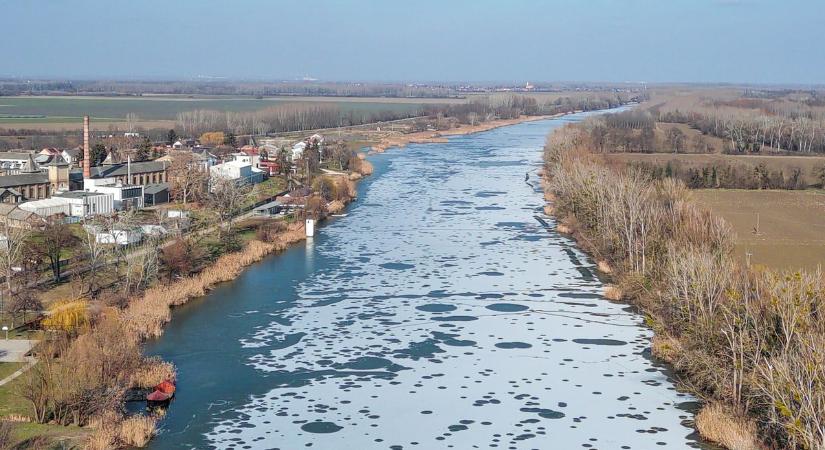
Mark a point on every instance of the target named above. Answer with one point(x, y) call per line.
point(423, 137)
point(749, 341)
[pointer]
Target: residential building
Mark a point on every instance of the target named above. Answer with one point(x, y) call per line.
point(73, 156)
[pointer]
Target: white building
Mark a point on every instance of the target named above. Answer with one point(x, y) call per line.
point(73, 156)
point(242, 158)
point(125, 196)
point(48, 207)
point(153, 230)
point(85, 204)
point(74, 204)
point(241, 172)
point(298, 151)
point(119, 237)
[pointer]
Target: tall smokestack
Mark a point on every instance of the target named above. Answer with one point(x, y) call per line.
point(87, 153)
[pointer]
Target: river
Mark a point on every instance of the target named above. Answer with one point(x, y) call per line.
point(440, 313)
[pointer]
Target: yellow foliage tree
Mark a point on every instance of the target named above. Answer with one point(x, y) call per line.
point(67, 315)
point(212, 138)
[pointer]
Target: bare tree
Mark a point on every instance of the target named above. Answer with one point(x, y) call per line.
point(131, 122)
point(226, 199)
point(187, 176)
point(51, 242)
point(12, 253)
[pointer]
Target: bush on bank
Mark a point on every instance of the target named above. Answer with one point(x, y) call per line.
point(753, 340)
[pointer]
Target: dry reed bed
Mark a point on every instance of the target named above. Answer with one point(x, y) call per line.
point(146, 315)
point(751, 342)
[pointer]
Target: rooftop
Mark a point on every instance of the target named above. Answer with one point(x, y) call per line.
point(155, 188)
point(23, 179)
point(78, 194)
point(115, 170)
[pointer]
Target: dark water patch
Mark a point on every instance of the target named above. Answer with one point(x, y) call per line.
point(488, 194)
point(599, 341)
point(579, 295)
point(588, 305)
point(321, 427)
point(511, 225)
point(436, 307)
point(490, 208)
point(587, 275)
point(507, 307)
point(455, 318)
point(511, 345)
point(450, 339)
point(544, 413)
point(425, 349)
point(455, 202)
point(396, 266)
point(491, 273)
point(370, 363)
point(486, 164)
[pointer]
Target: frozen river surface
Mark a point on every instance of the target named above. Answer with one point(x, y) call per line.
point(443, 312)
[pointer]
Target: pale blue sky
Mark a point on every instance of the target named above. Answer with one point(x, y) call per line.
point(755, 41)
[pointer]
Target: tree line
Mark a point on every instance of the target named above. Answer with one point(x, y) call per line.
point(794, 131)
point(730, 176)
point(749, 341)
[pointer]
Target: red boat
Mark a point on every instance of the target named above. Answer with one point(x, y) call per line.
point(158, 396)
point(163, 392)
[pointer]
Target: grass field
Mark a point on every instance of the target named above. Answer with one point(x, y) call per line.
point(791, 225)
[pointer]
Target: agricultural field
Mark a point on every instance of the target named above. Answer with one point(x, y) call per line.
point(160, 111)
point(778, 229)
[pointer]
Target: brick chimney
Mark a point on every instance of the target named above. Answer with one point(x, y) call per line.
point(87, 153)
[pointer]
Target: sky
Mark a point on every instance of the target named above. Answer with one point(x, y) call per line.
point(737, 41)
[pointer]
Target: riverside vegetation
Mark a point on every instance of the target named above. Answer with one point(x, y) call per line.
point(93, 361)
point(749, 341)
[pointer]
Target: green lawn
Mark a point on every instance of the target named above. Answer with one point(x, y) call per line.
point(13, 405)
point(270, 187)
point(7, 369)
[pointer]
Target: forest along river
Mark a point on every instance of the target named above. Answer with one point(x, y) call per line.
point(440, 313)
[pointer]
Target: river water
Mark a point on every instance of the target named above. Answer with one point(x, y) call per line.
point(443, 312)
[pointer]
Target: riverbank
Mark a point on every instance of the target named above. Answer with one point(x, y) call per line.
point(423, 321)
point(745, 340)
point(429, 137)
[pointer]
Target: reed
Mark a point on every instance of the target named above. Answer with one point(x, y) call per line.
point(152, 372)
point(718, 424)
point(146, 316)
point(137, 431)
